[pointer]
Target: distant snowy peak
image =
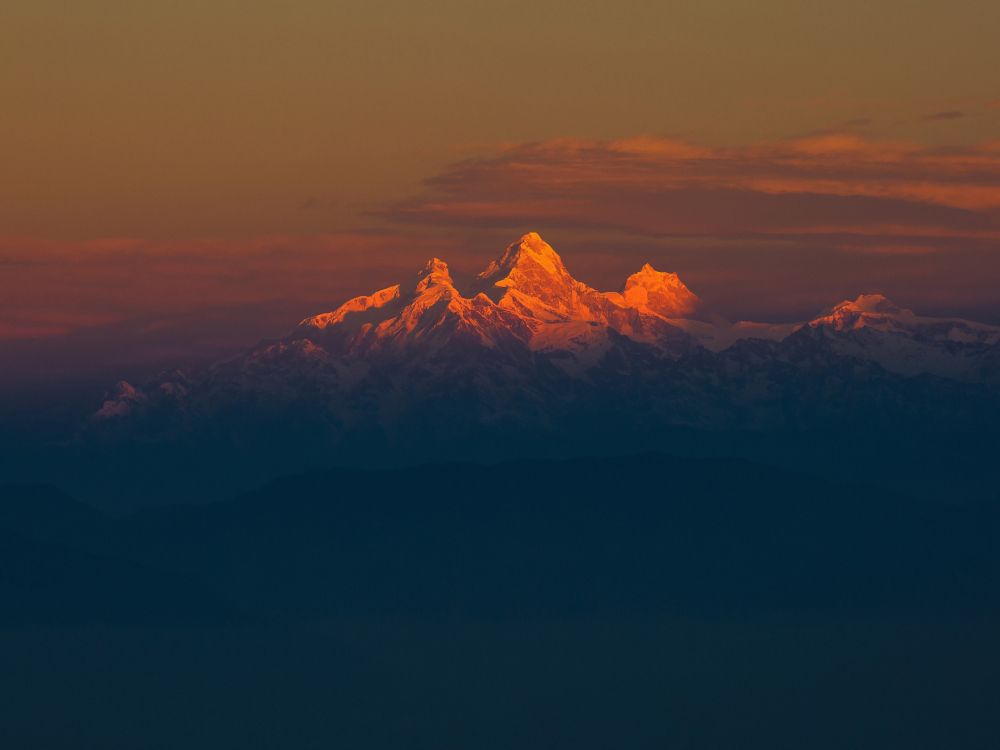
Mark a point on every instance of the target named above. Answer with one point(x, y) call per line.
point(868, 310)
point(121, 401)
point(874, 328)
point(874, 304)
point(875, 312)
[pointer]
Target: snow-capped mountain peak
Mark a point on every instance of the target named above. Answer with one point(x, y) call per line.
point(435, 273)
point(867, 310)
point(530, 256)
point(875, 328)
point(659, 292)
point(873, 303)
point(876, 312)
point(530, 278)
point(355, 305)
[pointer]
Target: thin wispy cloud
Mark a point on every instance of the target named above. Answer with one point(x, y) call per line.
point(831, 184)
point(951, 114)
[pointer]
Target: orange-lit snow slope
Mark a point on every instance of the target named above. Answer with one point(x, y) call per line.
point(526, 295)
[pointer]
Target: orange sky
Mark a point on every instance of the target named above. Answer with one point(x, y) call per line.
point(248, 162)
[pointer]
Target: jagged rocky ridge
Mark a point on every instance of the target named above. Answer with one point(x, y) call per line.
point(528, 347)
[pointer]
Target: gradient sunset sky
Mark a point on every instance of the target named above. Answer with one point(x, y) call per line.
point(186, 177)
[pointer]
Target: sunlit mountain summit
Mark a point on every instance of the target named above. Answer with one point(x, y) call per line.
point(526, 297)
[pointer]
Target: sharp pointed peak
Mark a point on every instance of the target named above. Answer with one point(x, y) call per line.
point(532, 242)
point(434, 273)
point(533, 239)
point(529, 249)
point(435, 264)
point(647, 270)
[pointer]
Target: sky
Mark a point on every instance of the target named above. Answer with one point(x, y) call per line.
point(181, 179)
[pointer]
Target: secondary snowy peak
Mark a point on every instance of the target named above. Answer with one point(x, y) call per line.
point(872, 327)
point(876, 312)
point(121, 401)
point(435, 274)
point(660, 293)
point(873, 303)
point(356, 305)
point(433, 282)
point(867, 311)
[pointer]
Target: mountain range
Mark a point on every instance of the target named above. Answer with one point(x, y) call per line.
point(527, 345)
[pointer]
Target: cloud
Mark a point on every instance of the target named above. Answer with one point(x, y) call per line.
point(951, 114)
point(830, 184)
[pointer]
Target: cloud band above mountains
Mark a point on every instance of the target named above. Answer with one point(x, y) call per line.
point(842, 187)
